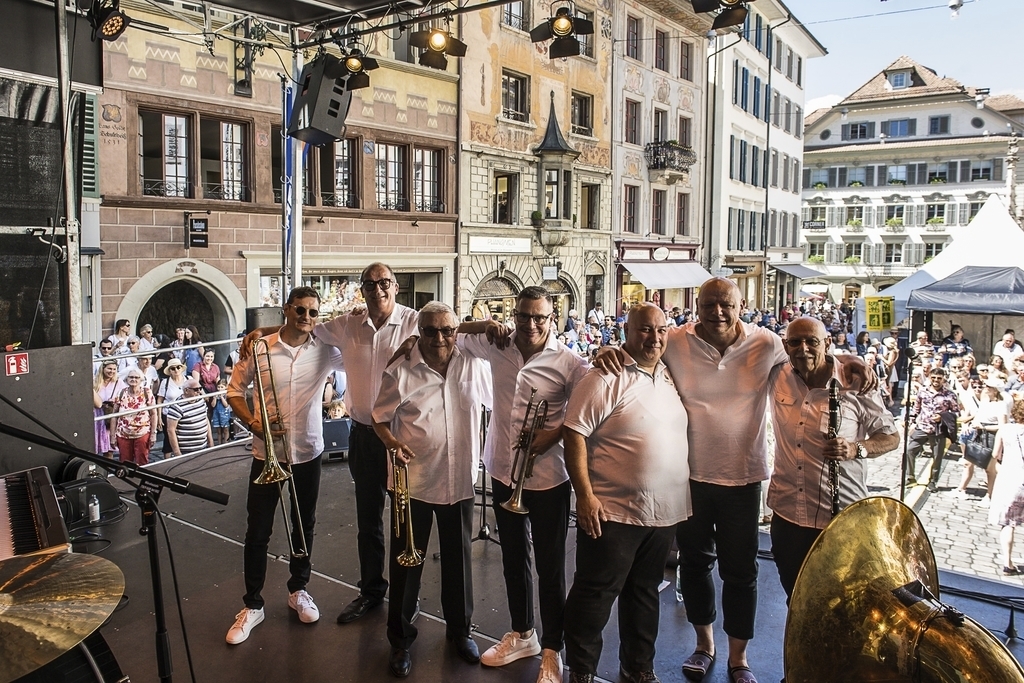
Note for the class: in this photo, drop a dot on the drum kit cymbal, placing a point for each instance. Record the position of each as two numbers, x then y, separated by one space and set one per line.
49 603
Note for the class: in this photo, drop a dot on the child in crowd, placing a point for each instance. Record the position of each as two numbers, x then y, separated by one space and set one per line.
220 419
337 410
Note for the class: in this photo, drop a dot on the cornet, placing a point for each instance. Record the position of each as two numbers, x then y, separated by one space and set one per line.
273 471
522 465
410 557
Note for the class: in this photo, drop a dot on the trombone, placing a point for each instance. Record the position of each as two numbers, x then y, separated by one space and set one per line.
410 557
274 472
522 465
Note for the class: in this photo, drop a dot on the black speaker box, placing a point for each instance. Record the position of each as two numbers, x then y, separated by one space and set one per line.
74 496
74 667
265 316
321 104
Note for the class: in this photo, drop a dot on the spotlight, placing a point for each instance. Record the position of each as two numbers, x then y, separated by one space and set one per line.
436 43
108 21
357 64
733 12
563 27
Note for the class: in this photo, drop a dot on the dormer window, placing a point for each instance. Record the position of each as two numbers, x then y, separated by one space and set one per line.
899 79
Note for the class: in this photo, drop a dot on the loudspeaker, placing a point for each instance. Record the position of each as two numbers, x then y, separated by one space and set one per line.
336 433
321 103
265 316
74 496
74 666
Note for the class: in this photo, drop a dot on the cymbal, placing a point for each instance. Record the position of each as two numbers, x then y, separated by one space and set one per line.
49 603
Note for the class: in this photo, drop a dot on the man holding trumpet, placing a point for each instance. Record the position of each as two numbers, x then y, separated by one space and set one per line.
296 365
427 415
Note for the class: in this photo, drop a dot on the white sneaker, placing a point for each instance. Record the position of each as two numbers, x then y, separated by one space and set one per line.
245 621
550 667
304 605
511 647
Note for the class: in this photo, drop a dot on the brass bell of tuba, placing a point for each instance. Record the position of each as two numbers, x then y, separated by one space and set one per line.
866 607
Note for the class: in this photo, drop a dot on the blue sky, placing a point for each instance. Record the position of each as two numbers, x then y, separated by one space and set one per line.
978 48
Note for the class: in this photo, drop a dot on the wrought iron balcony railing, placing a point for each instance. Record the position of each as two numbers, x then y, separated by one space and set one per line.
668 155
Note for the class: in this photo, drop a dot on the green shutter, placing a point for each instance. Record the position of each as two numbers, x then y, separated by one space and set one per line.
90 150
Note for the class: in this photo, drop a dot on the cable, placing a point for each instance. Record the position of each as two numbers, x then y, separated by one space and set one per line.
177 592
879 14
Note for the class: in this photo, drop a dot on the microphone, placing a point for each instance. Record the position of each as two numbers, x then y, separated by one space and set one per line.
910 352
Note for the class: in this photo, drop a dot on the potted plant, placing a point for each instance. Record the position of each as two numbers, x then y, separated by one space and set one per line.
816 259
820 185
852 260
537 219
855 222
937 181
936 220
897 181
894 223
856 183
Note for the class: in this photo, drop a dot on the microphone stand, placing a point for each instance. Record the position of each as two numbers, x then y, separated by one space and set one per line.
147 492
910 354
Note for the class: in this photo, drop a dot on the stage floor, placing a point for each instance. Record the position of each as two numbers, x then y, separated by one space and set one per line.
206 544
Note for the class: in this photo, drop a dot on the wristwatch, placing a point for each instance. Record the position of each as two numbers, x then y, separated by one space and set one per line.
862 451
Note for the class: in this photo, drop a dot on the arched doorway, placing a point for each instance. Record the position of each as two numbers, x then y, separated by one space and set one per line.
563 300
176 305
495 298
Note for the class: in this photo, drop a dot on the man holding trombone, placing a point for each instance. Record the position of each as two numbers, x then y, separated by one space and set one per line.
427 415
289 367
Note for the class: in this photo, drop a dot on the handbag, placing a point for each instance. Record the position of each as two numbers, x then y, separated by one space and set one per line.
978 451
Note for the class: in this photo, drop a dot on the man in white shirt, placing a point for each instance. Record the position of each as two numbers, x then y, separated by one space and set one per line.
300 364
428 414
799 490
533 359
1009 349
595 315
631 480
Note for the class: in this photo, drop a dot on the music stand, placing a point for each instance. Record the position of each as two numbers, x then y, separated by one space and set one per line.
484 533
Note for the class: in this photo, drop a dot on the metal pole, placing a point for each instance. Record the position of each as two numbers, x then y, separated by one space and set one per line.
68 176
286 179
298 189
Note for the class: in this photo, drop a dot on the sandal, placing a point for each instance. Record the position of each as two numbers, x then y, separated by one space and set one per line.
1011 571
696 665
741 674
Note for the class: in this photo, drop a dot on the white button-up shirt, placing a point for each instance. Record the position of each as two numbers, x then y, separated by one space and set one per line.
635 458
725 398
439 419
554 371
366 351
299 376
799 488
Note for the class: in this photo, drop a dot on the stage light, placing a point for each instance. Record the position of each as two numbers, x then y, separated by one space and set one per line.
108 21
357 64
563 27
436 43
733 12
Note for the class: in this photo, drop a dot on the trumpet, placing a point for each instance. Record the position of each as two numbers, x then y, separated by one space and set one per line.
274 472
410 557
522 465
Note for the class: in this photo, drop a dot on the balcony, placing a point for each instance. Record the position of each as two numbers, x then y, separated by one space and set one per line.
341 200
668 161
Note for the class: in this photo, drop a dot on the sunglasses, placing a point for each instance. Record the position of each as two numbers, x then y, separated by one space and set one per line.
431 332
524 318
371 285
812 342
106 348
302 310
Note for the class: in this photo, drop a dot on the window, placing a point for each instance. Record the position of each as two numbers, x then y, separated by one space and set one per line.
390 177
426 180
899 79
856 174
779 53
859 131
800 71
163 155
775 168
632 132
661 50
938 125
221 160
757 98
938 172
816 249
581 115
785 171
743 162
590 205
790 63
894 252
932 249
755 165
901 128
685 63
973 211
787 124
514 14
853 250
629 208
796 176
684 131
551 193
514 97
658 212
775 109
338 175
506 193
660 125
898 174
754 236
894 211
798 123
632 37
758 32
683 214
817 213
936 212
586 40
981 170
745 89
855 213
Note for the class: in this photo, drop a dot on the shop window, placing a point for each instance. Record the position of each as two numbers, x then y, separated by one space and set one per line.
338 175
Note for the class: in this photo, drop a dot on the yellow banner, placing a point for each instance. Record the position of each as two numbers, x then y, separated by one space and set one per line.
879 311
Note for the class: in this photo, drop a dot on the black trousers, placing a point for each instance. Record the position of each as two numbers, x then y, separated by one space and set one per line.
261 505
918 440
790 545
454 534
368 464
723 528
626 562
547 524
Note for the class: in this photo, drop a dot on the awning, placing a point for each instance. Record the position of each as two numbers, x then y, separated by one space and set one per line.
796 270
815 289
668 275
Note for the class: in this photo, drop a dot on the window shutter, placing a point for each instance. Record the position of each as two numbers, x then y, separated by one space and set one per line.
881 217
911 126
997 169
951 213
965 209
830 252
871 129
830 217
90 149
805 213
833 177
807 178
732 157
869 176
911 174
922 174
918 254
869 217
867 253
922 215
951 169
842 176
965 171
880 253
885 127
881 178
846 131
796 176
735 81
794 232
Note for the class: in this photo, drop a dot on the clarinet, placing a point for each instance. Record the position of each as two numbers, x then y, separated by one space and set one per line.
833 432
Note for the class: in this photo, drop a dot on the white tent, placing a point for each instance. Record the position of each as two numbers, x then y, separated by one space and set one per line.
991 239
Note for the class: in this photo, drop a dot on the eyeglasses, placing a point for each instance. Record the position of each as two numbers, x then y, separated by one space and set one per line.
384 284
131 378
431 332
302 310
134 342
176 367
106 348
524 318
795 343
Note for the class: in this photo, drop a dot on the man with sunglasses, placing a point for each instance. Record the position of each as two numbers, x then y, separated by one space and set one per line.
798 493
532 359
301 364
934 411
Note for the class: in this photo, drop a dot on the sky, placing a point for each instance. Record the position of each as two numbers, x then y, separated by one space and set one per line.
977 48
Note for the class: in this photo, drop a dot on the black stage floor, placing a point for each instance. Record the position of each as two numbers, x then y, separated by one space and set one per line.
206 542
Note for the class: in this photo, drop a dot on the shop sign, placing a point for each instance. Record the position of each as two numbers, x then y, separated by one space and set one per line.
660 254
549 272
480 244
636 254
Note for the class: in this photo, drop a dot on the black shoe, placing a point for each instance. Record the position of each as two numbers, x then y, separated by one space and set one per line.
357 608
466 648
638 677
575 677
400 662
933 487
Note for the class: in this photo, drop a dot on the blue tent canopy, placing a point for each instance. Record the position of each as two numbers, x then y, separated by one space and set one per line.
974 289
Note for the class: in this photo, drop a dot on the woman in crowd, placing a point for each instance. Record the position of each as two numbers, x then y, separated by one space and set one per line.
171 389
955 345
971 365
1008 497
208 373
179 340
983 410
890 354
136 433
105 387
122 330
998 364
863 343
193 357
